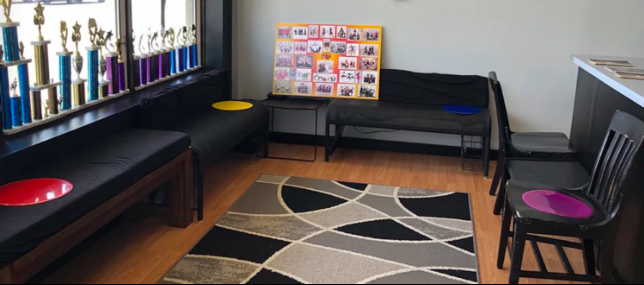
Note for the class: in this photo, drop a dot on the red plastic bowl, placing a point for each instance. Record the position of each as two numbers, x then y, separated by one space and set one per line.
33 192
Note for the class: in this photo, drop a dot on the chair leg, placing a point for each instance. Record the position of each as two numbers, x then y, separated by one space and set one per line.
589 257
518 248
500 198
327 148
606 260
498 174
505 235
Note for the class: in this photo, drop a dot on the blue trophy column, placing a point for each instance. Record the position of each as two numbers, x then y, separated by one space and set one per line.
5 99
173 62
93 74
64 65
195 56
23 75
10 43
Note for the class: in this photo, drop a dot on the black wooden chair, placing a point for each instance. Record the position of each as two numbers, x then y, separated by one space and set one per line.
592 215
534 146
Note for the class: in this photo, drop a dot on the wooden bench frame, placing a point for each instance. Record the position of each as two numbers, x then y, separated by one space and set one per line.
179 172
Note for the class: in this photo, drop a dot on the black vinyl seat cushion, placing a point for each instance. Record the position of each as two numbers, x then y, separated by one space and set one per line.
542 143
98 172
406 116
560 174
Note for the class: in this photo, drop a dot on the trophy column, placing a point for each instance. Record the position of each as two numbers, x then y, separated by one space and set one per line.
143 69
10 41
112 73
136 70
173 62
16 106
5 99
41 60
65 71
92 63
23 77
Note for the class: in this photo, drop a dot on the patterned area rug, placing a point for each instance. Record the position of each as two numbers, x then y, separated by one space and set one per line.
290 230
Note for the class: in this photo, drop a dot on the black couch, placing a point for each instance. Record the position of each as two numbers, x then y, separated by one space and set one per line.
413 102
213 132
101 171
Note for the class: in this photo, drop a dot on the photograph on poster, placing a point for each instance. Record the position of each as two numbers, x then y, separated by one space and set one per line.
355 34
348 63
325 66
282 73
319 77
367 91
301 47
303 75
347 76
300 33
327 60
346 90
324 89
327 32
284 60
338 47
368 63
313 32
285 47
284 32
369 77
304 61
353 49
342 32
283 87
369 50
303 88
315 46
372 35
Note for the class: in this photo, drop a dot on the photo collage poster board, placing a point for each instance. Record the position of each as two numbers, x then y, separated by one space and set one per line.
328 61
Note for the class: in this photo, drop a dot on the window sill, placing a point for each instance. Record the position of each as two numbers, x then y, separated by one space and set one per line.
167 78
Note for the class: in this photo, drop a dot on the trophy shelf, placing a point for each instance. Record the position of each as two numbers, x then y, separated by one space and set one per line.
167 78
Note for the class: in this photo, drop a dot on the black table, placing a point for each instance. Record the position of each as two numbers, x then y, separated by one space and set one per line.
293 104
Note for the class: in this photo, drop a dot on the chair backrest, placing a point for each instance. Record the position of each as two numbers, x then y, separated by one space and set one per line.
618 161
501 111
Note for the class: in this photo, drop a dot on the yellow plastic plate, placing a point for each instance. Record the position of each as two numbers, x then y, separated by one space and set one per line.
232 106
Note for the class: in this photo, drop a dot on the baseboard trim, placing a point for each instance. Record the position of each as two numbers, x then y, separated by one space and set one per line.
371 144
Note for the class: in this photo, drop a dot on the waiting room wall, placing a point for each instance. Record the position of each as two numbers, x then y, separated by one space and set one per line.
529 44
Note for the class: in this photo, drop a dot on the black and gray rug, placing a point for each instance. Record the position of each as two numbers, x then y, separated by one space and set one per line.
290 230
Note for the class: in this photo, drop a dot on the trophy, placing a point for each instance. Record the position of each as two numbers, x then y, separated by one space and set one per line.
23 83
103 85
112 64
93 61
16 107
143 63
136 65
173 52
183 50
121 65
194 49
10 34
78 85
65 66
43 82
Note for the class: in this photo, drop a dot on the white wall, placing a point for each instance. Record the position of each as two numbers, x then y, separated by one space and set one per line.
528 43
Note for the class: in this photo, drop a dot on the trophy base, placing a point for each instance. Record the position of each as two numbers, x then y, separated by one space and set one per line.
15 62
78 93
104 89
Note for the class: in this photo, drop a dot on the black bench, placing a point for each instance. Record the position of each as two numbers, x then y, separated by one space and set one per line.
413 102
213 132
109 176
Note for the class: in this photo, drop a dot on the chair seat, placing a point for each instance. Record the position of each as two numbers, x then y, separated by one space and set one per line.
561 174
575 201
554 143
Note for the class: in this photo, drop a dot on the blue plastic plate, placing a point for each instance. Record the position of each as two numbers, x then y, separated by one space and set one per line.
462 110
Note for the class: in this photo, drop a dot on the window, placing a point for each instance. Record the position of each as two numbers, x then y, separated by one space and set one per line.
165 39
48 93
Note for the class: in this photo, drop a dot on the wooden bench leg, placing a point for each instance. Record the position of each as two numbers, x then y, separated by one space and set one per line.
181 194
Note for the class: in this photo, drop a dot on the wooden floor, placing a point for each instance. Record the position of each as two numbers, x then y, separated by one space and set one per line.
144 248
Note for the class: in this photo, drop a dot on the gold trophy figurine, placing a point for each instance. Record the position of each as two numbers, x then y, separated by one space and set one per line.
119 49
183 37
93 32
102 64
164 39
39 20
6 4
155 42
142 47
64 34
170 38
109 45
21 49
78 58
194 34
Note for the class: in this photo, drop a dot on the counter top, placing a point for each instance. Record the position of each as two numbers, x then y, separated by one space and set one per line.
631 88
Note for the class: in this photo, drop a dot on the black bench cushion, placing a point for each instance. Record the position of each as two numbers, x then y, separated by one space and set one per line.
215 132
99 172
406 116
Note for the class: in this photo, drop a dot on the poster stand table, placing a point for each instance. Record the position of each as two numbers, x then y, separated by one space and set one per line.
293 104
